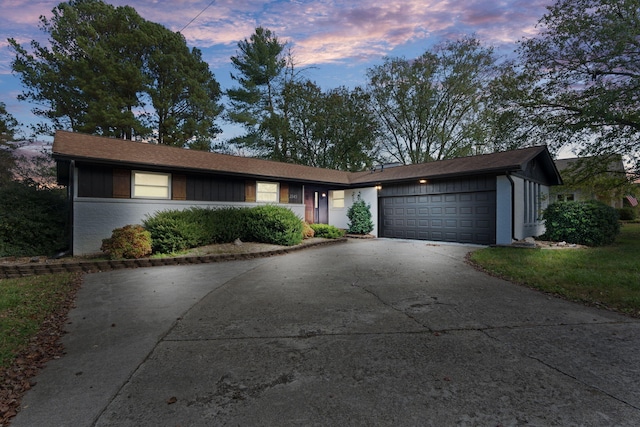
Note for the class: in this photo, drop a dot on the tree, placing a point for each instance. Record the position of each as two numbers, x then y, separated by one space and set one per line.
333 129
103 67
183 92
261 63
581 75
429 107
8 129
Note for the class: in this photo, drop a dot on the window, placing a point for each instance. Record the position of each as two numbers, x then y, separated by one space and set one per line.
566 197
151 185
337 199
267 192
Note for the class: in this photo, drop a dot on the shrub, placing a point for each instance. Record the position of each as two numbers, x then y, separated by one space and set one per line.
229 224
327 231
359 215
173 231
627 214
273 224
589 223
308 231
33 221
130 241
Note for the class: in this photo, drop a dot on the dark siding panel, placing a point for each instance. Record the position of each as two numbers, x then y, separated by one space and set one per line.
214 189
95 181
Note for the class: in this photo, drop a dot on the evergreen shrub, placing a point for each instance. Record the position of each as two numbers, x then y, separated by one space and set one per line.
174 231
359 215
590 223
274 224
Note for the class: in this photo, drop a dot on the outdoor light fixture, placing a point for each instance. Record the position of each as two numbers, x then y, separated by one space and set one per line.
423 181
378 187
324 194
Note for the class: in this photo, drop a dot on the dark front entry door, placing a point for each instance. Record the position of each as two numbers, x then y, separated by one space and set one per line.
316 205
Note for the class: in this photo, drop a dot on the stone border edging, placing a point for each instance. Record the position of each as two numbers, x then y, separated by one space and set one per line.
88 266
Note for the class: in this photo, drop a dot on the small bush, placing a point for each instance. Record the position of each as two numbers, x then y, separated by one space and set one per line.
308 231
130 241
627 214
590 223
359 215
274 224
327 231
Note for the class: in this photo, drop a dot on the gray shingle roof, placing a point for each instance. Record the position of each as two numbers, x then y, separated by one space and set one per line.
77 146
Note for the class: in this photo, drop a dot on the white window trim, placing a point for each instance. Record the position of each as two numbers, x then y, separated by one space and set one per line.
134 194
267 200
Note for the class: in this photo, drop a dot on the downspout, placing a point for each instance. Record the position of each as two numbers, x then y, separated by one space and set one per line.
71 190
513 206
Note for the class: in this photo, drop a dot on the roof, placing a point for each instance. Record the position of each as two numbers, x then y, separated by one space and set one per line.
495 163
78 146
82 147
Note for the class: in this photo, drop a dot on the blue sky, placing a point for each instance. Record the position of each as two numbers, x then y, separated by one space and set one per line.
334 40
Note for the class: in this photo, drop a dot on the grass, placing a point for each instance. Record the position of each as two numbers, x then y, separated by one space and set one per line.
25 305
604 276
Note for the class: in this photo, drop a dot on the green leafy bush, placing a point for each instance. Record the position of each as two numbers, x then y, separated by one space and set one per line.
274 224
627 214
589 223
229 224
130 241
33 221
359 215
175 231
327 231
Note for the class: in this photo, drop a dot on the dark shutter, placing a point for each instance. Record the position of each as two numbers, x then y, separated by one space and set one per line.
179 187
121 183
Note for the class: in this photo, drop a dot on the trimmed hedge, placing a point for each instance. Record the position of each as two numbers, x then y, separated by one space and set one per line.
590 223
175 231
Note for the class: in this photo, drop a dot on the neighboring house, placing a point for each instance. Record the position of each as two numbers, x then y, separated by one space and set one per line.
488 199
587 178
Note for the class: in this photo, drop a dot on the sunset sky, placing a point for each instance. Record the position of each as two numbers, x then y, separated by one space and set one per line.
335 41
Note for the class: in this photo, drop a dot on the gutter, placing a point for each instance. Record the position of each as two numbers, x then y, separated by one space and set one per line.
513 206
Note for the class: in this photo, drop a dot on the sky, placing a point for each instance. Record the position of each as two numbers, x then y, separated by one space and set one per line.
334 41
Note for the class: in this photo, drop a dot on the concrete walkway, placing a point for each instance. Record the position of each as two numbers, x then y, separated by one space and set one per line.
377 332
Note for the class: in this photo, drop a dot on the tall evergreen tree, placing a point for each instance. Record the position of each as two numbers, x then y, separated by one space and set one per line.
102 69
261 63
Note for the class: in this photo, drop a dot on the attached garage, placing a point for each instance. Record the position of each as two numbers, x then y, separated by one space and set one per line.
462 210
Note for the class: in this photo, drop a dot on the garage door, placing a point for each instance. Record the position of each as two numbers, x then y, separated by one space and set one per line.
455 217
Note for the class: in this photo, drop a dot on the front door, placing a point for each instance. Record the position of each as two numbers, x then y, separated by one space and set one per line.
316 205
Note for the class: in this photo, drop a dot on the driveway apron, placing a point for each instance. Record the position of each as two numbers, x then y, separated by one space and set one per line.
376 332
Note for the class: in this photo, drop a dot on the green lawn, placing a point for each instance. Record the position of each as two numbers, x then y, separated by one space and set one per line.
29 303
606 276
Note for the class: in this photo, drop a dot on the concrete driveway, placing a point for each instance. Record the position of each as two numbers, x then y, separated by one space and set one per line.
376 332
